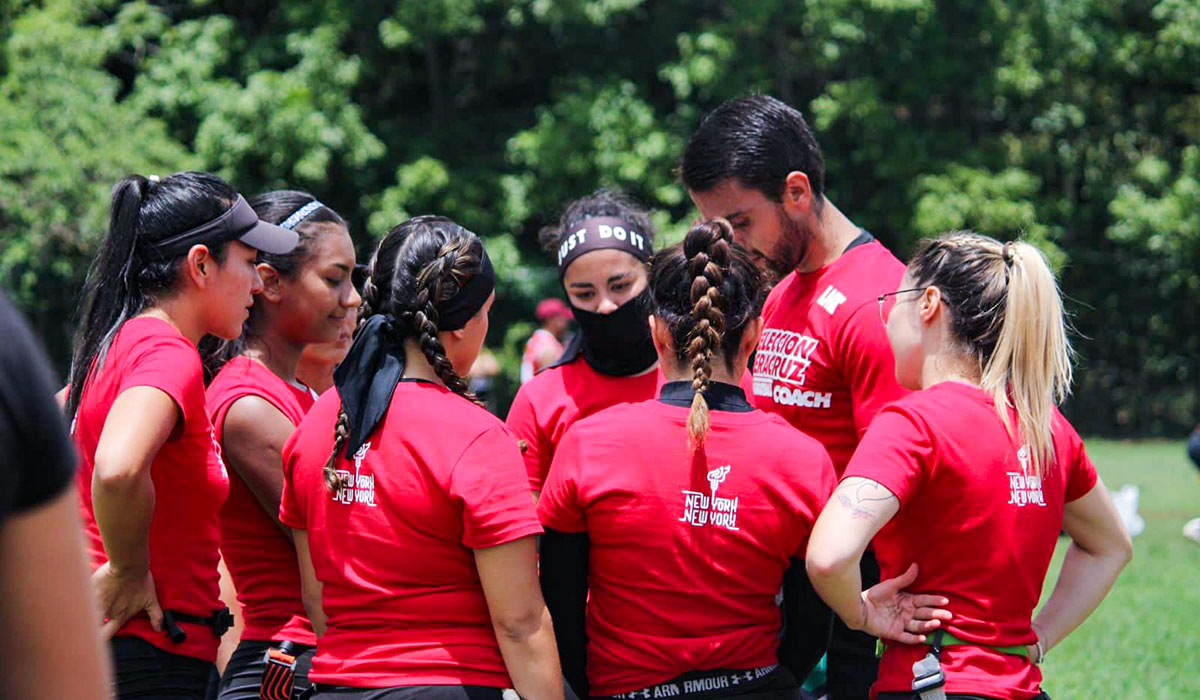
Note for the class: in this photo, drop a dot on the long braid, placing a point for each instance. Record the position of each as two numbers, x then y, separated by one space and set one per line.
341 433
440 280
707 251
418 265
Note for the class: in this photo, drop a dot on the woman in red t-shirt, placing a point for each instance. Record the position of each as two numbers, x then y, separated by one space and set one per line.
678 519
601 245
255 402
414 527
965 484
177 264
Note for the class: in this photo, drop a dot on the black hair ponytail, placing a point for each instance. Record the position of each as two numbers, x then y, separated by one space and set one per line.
127 275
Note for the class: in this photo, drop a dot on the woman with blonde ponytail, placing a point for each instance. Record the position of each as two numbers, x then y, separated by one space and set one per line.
412 519
677 520
965 484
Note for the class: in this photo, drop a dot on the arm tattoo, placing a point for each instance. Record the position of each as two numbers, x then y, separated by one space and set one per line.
861 498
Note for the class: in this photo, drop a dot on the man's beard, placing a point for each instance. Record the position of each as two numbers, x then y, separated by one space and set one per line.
789 251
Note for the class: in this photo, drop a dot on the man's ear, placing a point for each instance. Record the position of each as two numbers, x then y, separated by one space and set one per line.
199 266
272 283
798 197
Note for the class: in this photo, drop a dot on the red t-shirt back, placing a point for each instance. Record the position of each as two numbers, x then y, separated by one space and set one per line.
438 478
260 558
980 524
552 401
823 361
190 483
688 551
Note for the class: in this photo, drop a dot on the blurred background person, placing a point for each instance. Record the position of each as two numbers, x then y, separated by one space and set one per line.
546 344
47 611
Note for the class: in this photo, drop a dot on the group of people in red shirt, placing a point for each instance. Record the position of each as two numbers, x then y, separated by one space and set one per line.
768 443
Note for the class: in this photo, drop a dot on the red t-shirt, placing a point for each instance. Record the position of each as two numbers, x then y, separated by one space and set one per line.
541 344
823 361
552 401
190 483
260 558
438 478
980 525
687 554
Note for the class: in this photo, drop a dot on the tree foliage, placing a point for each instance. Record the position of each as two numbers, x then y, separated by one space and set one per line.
1072 122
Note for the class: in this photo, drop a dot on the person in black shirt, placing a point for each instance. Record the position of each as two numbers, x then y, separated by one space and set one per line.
50 646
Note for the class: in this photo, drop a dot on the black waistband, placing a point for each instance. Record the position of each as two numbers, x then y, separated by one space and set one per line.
720 396
219 622
764 683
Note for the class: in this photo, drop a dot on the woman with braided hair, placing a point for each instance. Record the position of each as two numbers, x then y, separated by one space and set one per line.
685 512
964 485
412 519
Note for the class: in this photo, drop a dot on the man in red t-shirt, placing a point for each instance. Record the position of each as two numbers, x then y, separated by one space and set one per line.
546 344
823 360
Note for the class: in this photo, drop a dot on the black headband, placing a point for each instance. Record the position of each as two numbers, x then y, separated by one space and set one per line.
367 377
598 233
238 221
454 312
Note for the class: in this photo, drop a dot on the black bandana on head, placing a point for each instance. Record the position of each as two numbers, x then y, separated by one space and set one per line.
617 344
366 379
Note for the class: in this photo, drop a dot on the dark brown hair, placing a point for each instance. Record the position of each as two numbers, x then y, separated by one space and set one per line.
418 264
707 290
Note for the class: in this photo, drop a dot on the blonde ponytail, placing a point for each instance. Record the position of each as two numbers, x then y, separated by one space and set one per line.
1030 367
1007 314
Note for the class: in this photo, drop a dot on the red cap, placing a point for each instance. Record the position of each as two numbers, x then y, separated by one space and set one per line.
551 308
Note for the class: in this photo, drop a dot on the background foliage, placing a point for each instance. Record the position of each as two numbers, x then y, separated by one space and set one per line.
1074 122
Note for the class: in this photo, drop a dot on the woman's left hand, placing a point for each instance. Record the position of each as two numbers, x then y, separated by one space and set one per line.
891 613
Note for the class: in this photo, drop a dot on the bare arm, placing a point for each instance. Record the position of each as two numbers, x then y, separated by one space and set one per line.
310 586
47 611
524 631
858 509
138 424
1100 548
252 440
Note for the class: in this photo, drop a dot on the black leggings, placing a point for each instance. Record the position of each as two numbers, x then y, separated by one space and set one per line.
411 692
851 665
145 671
243 673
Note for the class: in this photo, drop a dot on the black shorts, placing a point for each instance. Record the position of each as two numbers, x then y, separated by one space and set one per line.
413 692
145 671
243 673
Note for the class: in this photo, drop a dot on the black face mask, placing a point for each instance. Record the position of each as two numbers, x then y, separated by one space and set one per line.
617 344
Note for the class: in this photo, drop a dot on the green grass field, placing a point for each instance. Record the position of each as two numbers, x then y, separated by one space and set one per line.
1144 640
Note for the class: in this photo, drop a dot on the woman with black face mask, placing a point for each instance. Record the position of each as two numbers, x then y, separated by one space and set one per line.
602 246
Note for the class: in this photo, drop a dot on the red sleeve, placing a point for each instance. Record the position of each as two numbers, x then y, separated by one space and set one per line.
488 482
172 365
896 452
867 365
813 502
291 510
522 420
559 507
1081 474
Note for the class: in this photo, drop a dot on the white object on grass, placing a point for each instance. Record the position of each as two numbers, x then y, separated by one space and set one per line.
1126 501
